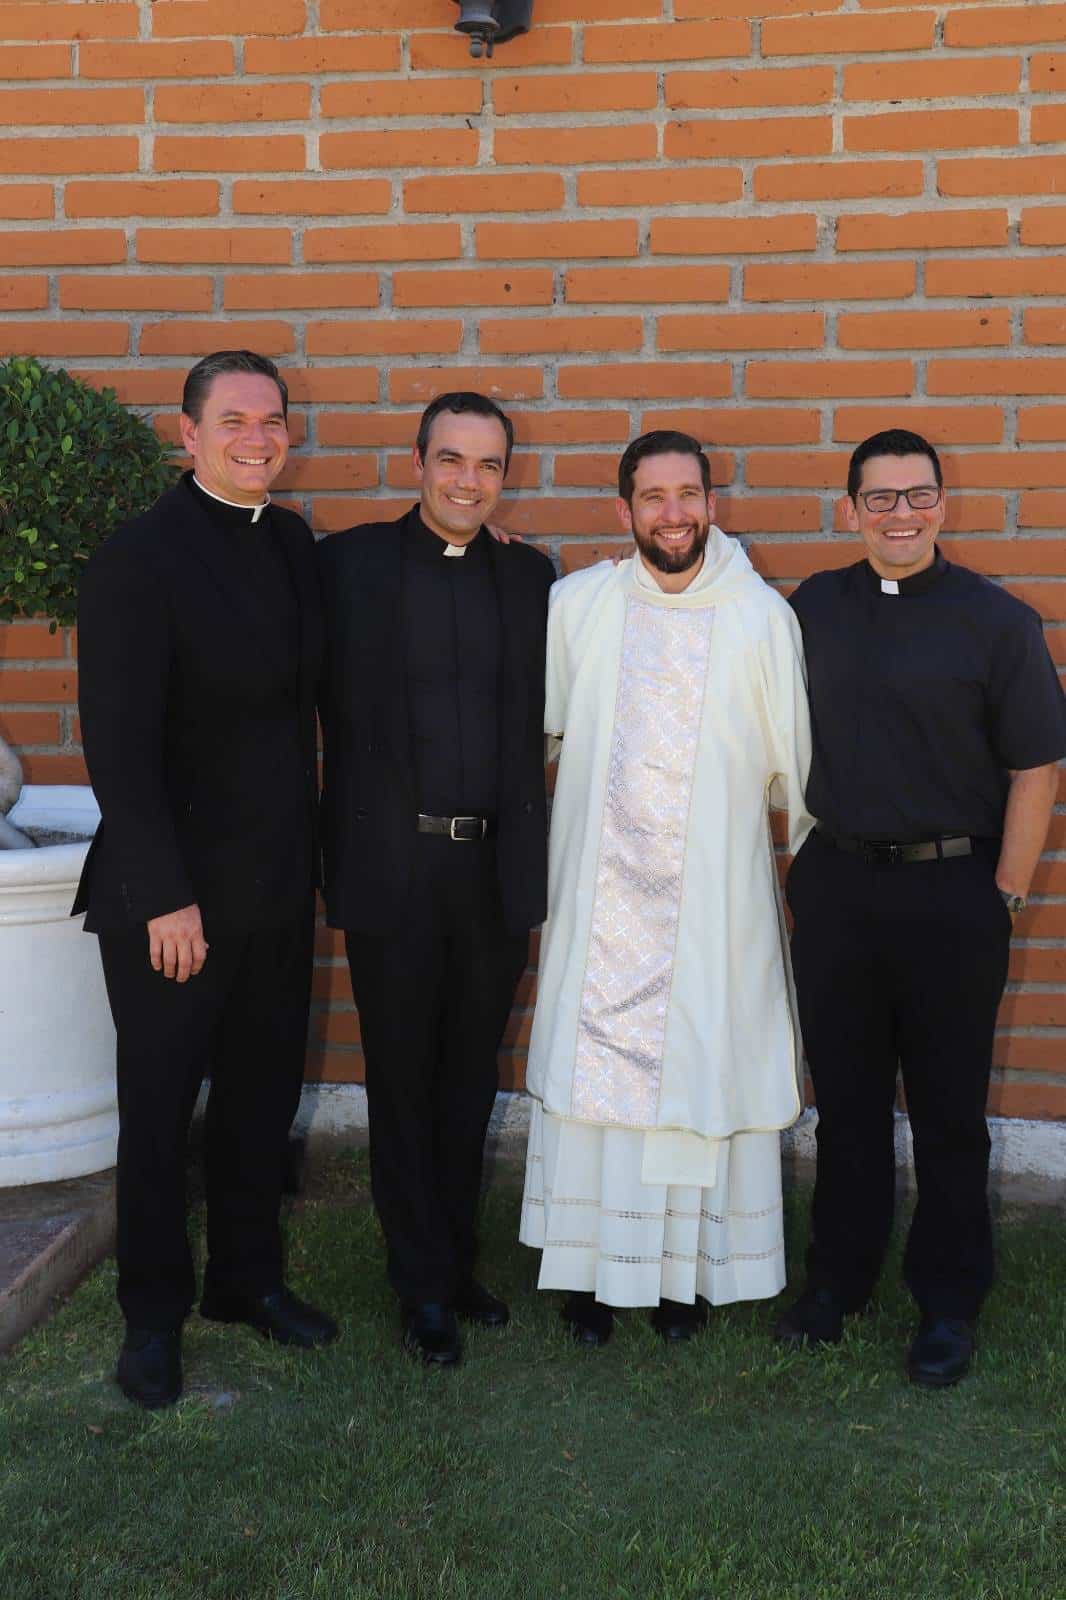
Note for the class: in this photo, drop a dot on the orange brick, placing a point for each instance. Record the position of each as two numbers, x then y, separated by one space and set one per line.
37 108
192 19
774 561
175 337
542 47
25 728
1042 24
936 79
600 470
848 35
39 768
1029 963
423 384
1041 424
1044 225
206 102
406 98
571 427
932 130
555 241
1016 469
399 147
755 87
498 191
571 147
552 515
1045 325
348 385
1032 375
1010 557
1047 73
728 236
330 513
597 10
652 380
39 157
281 152
939 424
740 426
46 20
136 387
574 335
368 429
46 685
577 92
63 247
1040 175
977 277
1027 1052
663 186
840 180
829 280
218 246
142 197
800 330
767 380
273 291
646 285
22 63
669 41
419 241
135 292
31 641
716 137
363 338
786 513
385 15
936 230
27 202
313 197
750 8
202 59
525 287
1047 124
1008 1098
23 294
329 472
918 330
284 57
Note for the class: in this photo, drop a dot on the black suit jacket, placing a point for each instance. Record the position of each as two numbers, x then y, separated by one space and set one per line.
199 735
369 806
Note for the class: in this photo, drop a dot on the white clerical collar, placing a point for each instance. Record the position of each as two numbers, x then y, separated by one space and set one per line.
257 511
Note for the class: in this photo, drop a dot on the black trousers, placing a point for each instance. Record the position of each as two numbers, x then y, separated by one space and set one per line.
433 1001
900 968
244 1021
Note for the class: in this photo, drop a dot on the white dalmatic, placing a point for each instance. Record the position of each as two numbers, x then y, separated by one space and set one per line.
664 1057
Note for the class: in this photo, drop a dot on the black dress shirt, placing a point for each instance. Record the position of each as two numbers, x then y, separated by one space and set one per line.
452 653
924 695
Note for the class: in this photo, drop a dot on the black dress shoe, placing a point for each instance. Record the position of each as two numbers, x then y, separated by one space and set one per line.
941 1353
149 1367
474 1303
675 1321
591 1323
817 1317
280 1316
431 1332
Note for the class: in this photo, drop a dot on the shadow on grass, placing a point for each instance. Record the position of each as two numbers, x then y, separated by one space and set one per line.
723 1468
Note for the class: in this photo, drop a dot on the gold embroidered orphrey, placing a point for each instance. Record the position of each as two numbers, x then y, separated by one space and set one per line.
625 995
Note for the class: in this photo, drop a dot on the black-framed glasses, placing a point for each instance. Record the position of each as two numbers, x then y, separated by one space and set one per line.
921 498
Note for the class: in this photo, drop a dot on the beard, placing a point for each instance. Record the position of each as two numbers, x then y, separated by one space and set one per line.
670 561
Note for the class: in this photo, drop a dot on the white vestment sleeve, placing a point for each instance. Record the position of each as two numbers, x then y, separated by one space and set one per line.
784 683
557 674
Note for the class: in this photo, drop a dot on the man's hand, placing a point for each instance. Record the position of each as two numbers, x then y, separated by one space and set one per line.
176 945
503 535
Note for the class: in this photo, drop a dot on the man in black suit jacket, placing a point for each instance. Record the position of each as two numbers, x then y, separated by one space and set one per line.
434 836
200 641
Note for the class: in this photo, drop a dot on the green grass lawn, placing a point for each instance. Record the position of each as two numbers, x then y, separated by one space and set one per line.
721 1469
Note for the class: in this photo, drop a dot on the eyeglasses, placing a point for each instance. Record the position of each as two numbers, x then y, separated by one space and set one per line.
922 498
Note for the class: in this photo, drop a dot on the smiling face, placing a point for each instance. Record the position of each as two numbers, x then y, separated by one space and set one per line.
669 516
898 543
462 474
240 442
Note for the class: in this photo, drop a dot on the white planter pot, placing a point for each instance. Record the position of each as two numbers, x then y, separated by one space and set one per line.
58 1115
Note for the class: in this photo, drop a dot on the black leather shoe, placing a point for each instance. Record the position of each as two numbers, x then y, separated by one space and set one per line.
474 1303
149 1367
431 1332
590 1322
817 1317
941 1353
280 1316
675 1321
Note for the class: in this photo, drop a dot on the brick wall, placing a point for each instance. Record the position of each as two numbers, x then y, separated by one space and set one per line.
778 223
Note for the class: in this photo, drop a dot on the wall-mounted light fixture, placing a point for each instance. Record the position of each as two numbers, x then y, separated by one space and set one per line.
490 22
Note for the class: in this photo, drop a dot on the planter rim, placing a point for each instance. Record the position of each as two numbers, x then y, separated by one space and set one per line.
65 807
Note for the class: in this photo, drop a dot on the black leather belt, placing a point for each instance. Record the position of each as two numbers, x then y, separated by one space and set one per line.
462 829
883 852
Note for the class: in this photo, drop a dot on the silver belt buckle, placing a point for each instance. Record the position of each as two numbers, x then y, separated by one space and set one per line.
458 838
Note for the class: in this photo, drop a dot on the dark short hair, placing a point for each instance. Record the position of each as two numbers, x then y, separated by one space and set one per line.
660 442
892 442
458 402
203 375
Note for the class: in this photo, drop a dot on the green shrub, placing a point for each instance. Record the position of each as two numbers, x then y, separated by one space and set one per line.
74 463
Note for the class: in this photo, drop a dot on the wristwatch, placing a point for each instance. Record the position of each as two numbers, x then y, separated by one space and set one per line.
1014 902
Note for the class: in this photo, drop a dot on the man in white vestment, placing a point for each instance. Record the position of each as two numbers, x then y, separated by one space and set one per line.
664 1055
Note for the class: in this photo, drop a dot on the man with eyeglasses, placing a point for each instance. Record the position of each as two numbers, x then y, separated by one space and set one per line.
937 721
